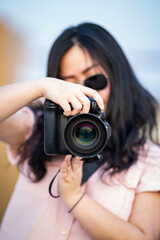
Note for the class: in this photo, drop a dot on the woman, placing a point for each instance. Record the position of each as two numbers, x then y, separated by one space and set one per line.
121 199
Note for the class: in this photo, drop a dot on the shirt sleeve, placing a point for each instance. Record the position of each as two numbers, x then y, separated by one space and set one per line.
150 178
12 154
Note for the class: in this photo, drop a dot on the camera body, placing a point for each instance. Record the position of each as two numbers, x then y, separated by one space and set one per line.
83 135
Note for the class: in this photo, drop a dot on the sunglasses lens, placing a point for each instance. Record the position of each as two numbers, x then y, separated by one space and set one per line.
97 82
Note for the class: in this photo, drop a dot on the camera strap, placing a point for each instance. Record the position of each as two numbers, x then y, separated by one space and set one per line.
88 170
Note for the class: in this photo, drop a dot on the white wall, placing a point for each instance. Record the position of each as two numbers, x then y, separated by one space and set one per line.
135 24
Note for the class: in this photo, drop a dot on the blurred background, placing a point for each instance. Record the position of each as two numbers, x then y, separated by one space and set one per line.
28 29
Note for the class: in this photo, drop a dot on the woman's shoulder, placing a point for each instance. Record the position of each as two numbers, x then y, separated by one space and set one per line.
144 175
12 154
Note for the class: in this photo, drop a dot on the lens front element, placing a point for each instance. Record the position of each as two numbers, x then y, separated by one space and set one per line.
85 134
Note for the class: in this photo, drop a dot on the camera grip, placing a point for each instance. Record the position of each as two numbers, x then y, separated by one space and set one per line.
50 146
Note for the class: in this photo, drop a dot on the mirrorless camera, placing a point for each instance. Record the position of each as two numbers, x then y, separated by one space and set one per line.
84 135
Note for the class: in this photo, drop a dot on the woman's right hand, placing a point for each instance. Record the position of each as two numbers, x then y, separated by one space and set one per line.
17 95
66 93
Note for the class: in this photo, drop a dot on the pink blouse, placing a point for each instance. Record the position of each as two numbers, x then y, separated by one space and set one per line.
32 214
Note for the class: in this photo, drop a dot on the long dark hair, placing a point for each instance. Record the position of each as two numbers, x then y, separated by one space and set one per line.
131 110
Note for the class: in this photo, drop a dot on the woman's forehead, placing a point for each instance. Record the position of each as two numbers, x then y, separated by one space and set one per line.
76 58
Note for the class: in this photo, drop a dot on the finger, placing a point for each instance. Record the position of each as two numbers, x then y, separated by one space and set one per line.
76 164
63 171
85 102
94 94
67 160
65 106
77 106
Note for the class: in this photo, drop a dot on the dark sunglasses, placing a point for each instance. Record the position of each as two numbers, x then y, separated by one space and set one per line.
97 82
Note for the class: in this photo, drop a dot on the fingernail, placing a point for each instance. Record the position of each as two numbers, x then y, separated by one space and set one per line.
78 158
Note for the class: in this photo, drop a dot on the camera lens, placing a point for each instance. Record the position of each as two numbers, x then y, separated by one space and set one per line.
85 134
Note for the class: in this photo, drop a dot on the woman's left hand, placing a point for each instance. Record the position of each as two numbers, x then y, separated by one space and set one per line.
69 182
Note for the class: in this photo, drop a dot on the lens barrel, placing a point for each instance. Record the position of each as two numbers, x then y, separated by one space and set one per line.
86 135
